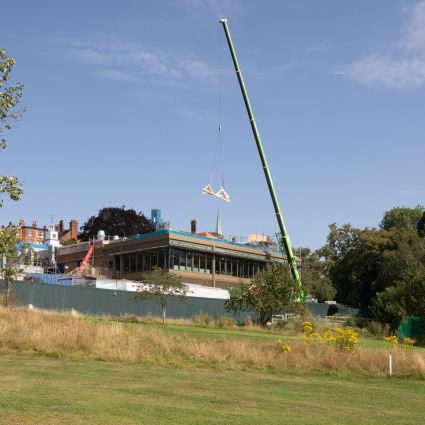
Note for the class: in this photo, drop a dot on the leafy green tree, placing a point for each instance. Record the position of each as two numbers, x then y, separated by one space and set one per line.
161 286
313 276
353 259
9 99
402 218
116 221
269 293
401 284
401 264
398 302
385 310
11 260
420 226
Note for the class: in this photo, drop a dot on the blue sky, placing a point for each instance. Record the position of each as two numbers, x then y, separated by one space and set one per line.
122 109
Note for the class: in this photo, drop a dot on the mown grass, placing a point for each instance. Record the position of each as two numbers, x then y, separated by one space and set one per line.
53 391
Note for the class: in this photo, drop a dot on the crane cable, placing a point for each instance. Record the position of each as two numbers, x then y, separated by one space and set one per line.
218 154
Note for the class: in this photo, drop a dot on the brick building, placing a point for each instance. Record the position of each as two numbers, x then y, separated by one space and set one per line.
31 234
37 235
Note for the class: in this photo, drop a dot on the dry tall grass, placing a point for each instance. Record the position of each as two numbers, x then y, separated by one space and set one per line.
68 335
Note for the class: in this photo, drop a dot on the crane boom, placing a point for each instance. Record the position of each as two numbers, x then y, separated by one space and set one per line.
284 241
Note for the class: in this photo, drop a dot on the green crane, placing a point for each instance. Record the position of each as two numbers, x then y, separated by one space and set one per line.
283 237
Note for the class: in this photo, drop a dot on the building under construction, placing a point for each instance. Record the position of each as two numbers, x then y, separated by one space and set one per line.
197 259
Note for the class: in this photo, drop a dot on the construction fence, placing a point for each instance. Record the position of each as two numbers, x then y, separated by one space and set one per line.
96 301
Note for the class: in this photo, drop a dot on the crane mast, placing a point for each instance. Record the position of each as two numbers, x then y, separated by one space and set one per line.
284 241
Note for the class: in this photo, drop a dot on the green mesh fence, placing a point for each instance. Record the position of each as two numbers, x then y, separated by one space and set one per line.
412 327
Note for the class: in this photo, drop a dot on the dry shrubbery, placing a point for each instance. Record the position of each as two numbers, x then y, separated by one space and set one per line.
69 335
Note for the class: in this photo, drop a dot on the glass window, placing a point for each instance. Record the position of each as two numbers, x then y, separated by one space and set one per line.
176 258
147 261
154 258
133 260
234 266
203 263
227 266
209 260
220 265
126 264
161 259
189 260
139 262
196 257
117 263
182 260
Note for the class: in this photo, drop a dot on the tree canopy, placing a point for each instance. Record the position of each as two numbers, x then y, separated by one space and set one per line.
116 221
269 293
402 218
9 98
11 260
161 286
380 268
313 277
420 226
401 284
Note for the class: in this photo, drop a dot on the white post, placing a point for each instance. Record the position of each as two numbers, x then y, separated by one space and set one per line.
390 364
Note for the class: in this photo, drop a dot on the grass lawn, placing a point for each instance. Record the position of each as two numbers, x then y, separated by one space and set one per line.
260 334
45 390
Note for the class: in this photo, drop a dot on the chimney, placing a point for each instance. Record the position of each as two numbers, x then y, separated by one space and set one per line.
34 224
21 222
60 227
193 227
73 227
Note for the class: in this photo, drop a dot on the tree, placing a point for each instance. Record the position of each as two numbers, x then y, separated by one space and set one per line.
353 259
313 276
11 258
9 99
420 226
161 286
402 218
116 221
401 285
269 293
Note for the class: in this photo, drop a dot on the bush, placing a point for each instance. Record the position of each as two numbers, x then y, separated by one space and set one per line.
376 328
226 322
203 319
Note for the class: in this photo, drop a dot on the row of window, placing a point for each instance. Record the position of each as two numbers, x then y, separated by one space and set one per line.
40 233
181 259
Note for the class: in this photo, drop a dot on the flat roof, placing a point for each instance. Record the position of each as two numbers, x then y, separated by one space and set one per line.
214 240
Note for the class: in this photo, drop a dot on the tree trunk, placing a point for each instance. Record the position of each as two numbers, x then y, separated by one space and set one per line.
164 312
6 294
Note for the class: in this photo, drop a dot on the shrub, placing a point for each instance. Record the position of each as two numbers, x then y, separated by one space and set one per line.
376 328
392 339
408 342
226 322
283 347
203 319
346 339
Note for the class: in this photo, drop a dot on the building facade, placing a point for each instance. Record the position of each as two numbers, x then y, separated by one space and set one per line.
197 259
31 234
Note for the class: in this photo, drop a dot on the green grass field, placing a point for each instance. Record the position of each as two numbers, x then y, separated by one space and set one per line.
43 390
69 369
260 334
